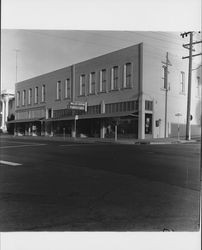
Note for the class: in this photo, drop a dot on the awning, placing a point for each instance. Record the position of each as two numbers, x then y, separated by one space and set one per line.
81 117
95 116
26 120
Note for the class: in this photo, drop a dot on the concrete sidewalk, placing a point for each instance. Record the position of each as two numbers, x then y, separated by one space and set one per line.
106 140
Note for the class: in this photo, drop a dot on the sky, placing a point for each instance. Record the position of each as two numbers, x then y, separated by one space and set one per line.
43 51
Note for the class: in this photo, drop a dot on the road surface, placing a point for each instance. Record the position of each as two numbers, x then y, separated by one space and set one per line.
67 186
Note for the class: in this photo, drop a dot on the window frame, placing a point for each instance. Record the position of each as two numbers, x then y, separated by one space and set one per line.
103 80
182 82
82 86
92 83
67 88
36 95
198 92
18 99
23 97
114 77
58 90
43 93
29 96
127 75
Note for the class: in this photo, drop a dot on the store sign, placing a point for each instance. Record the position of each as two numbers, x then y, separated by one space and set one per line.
77 106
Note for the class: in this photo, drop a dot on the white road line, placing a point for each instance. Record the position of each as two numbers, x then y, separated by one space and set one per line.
10 163
74 145
25 145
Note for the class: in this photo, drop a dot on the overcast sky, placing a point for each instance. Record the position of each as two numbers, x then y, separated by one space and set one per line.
42 51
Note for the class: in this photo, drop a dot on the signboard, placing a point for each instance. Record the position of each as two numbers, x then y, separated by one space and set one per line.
77 106
178 114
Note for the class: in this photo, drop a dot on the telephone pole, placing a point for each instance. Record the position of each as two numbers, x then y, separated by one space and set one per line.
166 88
189 46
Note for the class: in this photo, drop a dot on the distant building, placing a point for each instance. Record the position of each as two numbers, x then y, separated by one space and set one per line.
7 107
123 91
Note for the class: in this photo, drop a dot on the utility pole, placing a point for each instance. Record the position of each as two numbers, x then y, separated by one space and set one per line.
189 46
166 88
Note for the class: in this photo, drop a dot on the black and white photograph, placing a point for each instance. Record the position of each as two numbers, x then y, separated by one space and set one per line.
100 131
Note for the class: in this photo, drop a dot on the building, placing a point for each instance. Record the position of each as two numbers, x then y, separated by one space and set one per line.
124 92
7 107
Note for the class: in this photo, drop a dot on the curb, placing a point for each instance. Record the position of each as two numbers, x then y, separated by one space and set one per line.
101 141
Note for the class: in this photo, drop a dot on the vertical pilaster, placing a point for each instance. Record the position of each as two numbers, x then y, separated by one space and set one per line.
3 114
141 109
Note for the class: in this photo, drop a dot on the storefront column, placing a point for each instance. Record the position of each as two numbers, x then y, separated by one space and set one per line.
141 119
102 131
3 115
51 133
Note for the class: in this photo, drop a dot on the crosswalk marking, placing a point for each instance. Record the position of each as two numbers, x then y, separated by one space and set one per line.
10 163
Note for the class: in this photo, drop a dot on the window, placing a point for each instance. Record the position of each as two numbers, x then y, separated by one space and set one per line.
82 85
58 90
18 99
127 75
198 87
103 80
43 93
67 88
23 97
49 113
114 78
96 109
121 106
149 105
182 82
92 83
29 96
36 95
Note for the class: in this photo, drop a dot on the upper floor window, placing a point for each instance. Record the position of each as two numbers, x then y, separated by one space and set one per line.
29 96
182 82
58 90
92 83
148 105
36 95
82 85
43 93
23 97
103 80
198 91
127 75
67 88
18 99
114 78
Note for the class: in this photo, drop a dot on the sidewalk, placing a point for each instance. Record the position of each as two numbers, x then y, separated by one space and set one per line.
106 140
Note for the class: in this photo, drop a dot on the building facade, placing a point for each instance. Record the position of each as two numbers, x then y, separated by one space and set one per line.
123 92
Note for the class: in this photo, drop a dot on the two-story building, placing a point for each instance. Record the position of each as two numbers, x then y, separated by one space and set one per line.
122 92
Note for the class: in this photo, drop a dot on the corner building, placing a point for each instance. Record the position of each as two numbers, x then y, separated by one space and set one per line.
123 91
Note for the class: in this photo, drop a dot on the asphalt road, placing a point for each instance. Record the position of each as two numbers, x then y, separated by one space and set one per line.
66 186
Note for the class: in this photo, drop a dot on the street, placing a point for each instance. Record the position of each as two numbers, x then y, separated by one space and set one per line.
65 186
